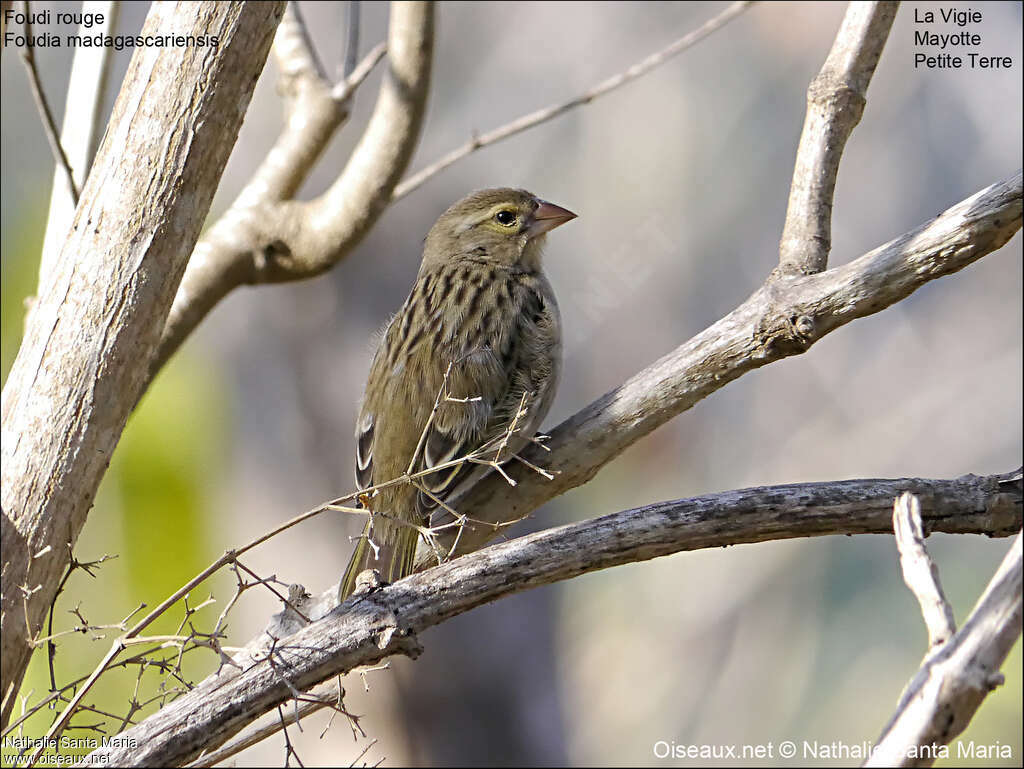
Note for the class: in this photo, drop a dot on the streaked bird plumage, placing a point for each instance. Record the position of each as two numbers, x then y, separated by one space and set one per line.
481 323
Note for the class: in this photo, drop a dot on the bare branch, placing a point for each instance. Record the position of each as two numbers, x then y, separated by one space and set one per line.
784 317
101 309
919 571
351 38
383 622
267 238
28 57
954 680
545 114
835 103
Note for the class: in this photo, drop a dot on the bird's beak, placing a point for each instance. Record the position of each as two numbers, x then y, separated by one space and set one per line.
547 217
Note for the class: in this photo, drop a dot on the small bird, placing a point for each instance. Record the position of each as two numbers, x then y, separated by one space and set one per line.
476 346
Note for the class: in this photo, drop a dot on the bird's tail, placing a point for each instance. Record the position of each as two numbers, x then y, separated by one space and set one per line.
393 560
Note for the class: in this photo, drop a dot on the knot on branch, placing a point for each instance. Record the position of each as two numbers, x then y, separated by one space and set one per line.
803 326
835 95
783 329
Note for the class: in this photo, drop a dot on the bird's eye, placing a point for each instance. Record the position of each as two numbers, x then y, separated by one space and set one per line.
505 217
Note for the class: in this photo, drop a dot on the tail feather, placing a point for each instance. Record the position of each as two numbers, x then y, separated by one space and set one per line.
394 560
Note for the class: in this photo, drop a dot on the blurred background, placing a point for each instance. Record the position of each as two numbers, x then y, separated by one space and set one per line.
680 181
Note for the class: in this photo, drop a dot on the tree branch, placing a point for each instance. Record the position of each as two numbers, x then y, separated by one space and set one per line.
267 238
920 572
102 306
348 64
28 57
941 699
784 317
835 103
372 626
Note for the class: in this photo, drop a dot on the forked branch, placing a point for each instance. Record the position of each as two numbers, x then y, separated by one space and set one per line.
959 669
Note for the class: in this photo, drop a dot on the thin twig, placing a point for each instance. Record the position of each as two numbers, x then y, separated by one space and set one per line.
45 114
271 588
355 78
351 38
363 752
289 749
547 113
51 648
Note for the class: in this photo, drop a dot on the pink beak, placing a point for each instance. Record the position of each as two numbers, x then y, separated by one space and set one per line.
548 216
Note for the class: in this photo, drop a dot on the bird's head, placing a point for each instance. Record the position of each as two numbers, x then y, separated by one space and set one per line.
506 226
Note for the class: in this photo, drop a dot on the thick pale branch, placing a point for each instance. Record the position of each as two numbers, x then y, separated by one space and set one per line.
835 103
223 258
102 305
920 572
265 237
782 318
955 678
370 627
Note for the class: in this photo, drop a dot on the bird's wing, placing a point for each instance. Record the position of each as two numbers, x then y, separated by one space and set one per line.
364 449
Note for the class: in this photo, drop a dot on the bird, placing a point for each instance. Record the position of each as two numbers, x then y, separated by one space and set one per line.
475 351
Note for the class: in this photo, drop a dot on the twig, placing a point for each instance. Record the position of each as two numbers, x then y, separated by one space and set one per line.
265 582
45 114
442 394
835 103
289 749
919 571
363 752
141 659
51 648
351 38
343 90
545 114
